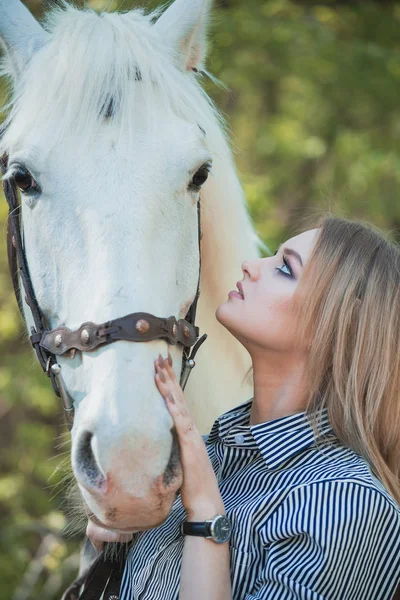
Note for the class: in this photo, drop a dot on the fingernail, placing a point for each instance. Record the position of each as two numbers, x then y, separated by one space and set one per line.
160 358
162 376
169 359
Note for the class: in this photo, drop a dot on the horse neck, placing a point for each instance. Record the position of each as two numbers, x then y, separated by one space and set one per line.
228 239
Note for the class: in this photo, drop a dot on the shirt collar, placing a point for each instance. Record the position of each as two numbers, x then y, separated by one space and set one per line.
238 416
277 440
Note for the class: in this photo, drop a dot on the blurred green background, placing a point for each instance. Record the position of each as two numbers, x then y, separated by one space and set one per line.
312 99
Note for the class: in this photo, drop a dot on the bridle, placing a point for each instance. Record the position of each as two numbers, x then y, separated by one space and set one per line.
135 327
105 575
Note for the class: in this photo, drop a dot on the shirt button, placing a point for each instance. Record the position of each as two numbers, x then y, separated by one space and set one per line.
239 438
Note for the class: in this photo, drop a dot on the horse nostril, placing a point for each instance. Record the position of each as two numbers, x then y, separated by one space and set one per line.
173 462
87 462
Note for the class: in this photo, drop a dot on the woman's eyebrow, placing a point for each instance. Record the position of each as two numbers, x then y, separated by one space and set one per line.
293 253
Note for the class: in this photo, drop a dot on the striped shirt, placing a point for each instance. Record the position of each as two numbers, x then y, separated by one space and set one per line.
309 518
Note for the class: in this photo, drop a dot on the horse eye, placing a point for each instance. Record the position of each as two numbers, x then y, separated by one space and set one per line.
200 177
24 180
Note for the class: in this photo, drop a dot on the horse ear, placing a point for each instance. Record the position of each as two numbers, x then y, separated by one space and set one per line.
184 26
20 35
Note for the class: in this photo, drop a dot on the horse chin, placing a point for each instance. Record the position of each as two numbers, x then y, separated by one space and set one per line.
125 530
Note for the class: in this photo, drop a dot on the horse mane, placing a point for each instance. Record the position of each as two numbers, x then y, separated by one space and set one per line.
114 70
97 68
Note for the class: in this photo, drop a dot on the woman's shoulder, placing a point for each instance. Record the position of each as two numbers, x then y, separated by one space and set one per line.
338 518
340 505
342 475
345 476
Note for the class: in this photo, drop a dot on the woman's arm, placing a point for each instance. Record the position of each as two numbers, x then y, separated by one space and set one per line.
205 571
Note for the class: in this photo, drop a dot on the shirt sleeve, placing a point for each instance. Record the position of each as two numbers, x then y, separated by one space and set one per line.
330 540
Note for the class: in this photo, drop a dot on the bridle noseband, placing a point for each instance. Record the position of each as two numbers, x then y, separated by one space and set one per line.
136 327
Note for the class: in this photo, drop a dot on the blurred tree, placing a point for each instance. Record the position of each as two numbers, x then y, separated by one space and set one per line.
312 100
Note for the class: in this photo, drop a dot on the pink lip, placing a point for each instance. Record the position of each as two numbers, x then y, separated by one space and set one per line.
234 294
240 287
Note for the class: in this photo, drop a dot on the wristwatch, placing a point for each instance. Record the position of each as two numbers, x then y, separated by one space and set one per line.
218 529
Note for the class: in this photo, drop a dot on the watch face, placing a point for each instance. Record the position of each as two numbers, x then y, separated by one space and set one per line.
221 529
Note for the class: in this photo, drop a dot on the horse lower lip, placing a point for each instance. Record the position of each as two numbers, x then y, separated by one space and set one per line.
97 522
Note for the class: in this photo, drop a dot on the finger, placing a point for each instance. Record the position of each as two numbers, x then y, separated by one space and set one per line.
161 362
172 382
181 416
158 361
167 383
167 364
161 376
165 386
162 386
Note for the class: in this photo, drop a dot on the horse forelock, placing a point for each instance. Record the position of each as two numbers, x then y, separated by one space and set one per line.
102 67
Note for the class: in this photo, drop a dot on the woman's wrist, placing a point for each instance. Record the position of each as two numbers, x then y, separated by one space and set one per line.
205 511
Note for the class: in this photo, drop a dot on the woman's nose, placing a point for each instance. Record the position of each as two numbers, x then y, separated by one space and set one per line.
251 269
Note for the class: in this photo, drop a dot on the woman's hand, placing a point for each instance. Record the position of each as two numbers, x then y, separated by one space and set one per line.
200 494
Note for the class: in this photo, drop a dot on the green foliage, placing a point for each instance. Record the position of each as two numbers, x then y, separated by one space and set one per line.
312 101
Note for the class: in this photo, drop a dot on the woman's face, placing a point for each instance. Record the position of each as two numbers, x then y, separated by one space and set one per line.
264 319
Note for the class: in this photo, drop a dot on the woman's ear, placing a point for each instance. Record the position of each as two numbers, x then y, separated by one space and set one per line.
20 36
183 26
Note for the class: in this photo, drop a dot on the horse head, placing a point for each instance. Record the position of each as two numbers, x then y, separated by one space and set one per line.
111 141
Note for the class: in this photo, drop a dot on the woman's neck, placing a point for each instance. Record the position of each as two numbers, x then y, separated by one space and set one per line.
279 387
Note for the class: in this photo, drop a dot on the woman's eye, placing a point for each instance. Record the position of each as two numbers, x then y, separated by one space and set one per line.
24 180
288 272
200 177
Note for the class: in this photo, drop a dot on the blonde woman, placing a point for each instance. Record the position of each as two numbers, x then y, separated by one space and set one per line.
307 472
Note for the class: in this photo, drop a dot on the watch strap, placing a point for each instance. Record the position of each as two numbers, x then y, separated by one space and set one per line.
201 529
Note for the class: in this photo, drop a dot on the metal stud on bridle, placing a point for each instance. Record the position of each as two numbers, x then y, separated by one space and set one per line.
85 336
135 327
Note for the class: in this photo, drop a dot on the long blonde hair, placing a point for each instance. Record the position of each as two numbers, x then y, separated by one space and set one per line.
348 303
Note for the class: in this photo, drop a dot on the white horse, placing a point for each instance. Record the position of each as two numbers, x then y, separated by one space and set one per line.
109 125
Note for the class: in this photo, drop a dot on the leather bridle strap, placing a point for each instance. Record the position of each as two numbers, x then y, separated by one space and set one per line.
18 267
135 327
105 575
101 580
